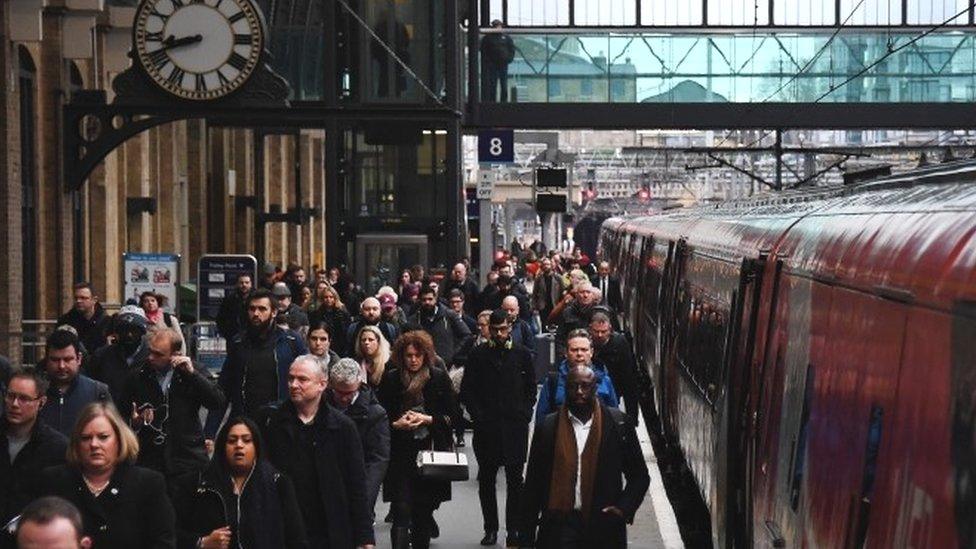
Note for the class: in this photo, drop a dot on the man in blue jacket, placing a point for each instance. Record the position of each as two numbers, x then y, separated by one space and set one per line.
256 370
69 391
579 352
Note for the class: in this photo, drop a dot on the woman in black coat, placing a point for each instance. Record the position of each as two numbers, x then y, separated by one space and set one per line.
334 314
420 403
121 505
241 500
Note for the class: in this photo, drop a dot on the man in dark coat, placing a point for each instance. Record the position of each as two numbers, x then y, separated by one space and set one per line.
113 363
614 351
319 448
360 404
289 313
27 445
370 314
69 391
444 326
163 398
255 372
499 392
87 317
232 317
547 290
576 497
609 287
497 51
459 281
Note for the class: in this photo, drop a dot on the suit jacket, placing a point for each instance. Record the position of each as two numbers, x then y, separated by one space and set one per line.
620 455
613 297
134 510
546 301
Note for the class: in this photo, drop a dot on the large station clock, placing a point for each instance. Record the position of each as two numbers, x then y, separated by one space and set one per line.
198 49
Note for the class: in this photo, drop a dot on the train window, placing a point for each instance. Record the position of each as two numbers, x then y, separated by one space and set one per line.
799 454
702 324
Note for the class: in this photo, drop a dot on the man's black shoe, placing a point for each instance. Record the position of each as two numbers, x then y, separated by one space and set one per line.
435 530
512 540
491 538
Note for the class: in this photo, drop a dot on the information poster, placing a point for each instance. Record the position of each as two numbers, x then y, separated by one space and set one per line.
158 273
217 277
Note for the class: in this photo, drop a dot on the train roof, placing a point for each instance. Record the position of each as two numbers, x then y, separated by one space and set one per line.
909 236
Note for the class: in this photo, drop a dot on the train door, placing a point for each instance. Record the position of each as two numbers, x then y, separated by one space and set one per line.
669 330
740 450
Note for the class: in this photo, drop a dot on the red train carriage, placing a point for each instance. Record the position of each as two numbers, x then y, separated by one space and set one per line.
814 355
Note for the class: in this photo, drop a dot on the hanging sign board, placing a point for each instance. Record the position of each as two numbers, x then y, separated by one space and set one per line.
158 273
217 277
496 146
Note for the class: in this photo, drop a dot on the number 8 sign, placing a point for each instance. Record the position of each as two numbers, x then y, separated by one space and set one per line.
496 146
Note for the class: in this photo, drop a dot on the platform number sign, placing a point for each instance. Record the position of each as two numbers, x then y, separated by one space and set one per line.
496 146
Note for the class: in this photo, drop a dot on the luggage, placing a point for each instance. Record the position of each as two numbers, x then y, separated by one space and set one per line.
545 354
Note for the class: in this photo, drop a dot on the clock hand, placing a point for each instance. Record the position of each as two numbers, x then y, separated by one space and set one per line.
172 42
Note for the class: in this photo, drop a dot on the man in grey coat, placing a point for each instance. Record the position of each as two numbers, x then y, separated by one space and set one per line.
350 397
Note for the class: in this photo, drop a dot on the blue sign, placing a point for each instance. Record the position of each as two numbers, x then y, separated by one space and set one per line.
217 278
496 146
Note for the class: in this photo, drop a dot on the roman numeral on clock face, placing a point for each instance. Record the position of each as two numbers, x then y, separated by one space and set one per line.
154 36
236 17
237 61
243 39
176 76
201 83
159 58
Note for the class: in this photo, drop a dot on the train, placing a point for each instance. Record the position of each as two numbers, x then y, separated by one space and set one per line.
813 355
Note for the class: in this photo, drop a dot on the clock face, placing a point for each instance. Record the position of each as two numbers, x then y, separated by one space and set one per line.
198 49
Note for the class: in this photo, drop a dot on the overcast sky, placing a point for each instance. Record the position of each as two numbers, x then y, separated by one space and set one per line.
727 12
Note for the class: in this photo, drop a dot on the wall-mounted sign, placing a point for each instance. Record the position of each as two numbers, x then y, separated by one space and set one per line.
158 273
496 146
216 277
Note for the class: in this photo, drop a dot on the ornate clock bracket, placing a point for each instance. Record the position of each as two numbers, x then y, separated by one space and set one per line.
93 128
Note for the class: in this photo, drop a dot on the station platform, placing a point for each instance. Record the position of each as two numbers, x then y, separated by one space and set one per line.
461 527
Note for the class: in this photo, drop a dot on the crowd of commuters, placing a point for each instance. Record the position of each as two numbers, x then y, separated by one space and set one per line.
323 403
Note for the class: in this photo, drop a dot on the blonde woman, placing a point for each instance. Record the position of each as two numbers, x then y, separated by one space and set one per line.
122 505
332 312
372 352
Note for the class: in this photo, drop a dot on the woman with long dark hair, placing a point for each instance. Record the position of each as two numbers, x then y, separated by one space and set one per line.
420 403
241 500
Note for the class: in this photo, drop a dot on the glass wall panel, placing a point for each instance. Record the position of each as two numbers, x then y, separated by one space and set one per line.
395 171
671 12
870 12
606 13
934 12
747 67
792 13
738 12
398 57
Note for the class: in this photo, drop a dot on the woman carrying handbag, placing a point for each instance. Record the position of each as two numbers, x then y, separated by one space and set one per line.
422 408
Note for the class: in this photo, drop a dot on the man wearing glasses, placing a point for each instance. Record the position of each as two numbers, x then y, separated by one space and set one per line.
27 446
163 398
498 391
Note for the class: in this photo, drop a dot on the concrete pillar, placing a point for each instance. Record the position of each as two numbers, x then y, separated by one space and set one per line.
167 191
273 195
317 224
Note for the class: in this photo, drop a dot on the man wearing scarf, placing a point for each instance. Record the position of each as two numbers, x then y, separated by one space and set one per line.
574 495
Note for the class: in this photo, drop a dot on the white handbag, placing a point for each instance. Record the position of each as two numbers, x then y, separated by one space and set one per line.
448 466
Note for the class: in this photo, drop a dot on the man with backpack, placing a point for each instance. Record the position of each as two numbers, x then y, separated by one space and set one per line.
443 325
579 352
